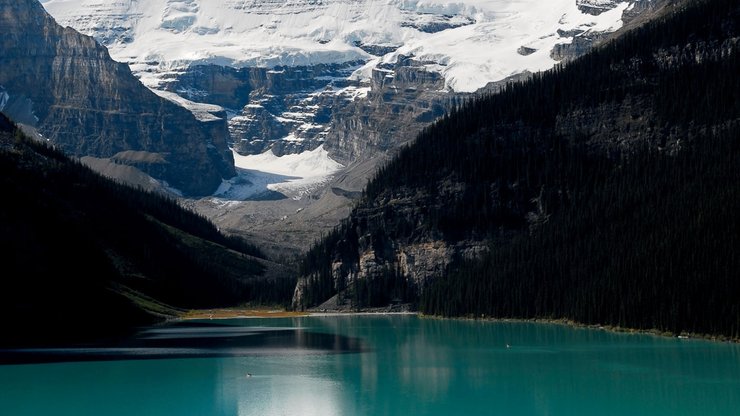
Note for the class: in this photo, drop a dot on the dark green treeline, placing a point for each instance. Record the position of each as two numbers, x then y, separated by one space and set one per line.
632 226
83 255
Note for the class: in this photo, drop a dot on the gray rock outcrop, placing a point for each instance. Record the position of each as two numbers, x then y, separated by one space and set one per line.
403 99
286 109
66 85
583 40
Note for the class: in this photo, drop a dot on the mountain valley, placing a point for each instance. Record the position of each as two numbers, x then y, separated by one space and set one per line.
573 159
355 78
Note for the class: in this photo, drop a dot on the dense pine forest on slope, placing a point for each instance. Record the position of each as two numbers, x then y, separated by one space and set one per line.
81 252
604 192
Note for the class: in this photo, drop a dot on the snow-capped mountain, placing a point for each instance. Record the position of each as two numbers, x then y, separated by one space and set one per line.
359 77
470 42
335 85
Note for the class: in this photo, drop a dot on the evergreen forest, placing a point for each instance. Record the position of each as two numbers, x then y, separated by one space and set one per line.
605 191
85 253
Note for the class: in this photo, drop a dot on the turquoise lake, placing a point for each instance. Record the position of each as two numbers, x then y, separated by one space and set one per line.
375 365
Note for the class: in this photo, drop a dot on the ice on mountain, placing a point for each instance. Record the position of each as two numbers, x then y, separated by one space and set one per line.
294 176
475 41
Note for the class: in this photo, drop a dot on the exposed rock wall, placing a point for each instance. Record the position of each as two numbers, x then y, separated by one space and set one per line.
294 109
286 109
403 99
369 252
89 105
584 40
596 7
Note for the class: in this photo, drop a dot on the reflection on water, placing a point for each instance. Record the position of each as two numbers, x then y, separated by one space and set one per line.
385 365
194 340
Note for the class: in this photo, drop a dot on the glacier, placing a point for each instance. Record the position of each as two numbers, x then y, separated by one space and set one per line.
471 43
295 175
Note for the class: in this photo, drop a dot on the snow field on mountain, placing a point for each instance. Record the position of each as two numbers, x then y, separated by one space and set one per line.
294 175
160 36
469 42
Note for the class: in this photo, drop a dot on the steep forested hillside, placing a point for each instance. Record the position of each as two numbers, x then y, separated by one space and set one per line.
603 192
82 253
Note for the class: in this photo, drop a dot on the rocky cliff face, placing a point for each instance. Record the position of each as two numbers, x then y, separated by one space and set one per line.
377 244
295 109
402 98
345 73
291 109
287 109
66 85
583 39
596 7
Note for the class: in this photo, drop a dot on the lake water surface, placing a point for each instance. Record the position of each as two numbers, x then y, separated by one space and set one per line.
375 365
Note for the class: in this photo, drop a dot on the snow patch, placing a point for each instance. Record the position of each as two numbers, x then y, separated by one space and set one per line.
352 93
201 111
294 175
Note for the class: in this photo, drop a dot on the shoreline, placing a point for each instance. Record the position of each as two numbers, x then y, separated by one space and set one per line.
257 313
236 313
249 313
609 328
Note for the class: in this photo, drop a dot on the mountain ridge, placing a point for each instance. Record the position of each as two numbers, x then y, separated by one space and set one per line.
335 31
303 54
65 85
393 77
480 215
